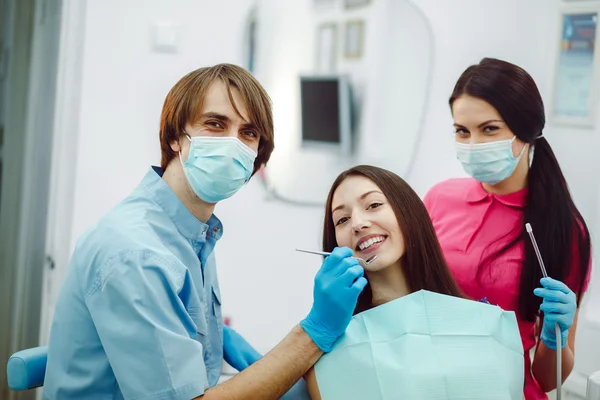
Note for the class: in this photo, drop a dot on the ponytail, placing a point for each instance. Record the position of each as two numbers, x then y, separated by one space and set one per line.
560 231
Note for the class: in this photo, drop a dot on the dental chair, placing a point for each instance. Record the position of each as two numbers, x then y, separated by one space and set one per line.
26 370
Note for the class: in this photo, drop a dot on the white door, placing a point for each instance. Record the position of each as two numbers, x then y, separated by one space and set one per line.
31 45
17 21
64 157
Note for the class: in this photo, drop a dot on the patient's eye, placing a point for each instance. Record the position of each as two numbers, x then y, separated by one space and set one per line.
341 221
374 205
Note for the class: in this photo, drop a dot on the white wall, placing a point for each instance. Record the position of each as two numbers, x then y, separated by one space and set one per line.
286 48
123 85
462 40
524 33
389 84
266 285
464 32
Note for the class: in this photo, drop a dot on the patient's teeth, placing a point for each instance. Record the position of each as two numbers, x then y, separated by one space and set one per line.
371 242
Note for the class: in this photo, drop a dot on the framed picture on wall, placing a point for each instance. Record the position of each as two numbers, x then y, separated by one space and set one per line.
349 4
354 39
250 36
324 4
575 81
327 47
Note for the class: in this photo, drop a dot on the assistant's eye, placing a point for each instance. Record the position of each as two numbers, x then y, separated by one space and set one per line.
490 129
462 132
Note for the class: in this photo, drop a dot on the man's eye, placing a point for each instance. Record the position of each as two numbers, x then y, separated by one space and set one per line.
214 124
251 134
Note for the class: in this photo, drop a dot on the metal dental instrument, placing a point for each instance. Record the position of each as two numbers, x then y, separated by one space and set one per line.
362 262
556 327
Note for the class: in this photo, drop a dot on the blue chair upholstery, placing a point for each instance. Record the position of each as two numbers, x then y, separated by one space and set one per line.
26 368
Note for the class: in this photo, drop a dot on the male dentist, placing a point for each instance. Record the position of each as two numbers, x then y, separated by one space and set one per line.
139 313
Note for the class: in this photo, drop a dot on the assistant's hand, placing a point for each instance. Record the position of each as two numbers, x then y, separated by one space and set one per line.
337 286
236 351
559 306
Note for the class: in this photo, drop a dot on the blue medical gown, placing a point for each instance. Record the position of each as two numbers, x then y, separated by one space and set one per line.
139 313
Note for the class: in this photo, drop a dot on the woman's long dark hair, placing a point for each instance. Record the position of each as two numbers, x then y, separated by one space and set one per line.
423 262
559 228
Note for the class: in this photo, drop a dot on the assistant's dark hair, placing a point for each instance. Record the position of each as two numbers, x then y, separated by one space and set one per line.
561 233
423 262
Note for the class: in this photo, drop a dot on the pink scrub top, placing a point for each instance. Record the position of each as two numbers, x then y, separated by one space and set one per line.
470 224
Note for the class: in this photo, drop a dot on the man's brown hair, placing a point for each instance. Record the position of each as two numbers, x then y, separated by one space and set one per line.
184 104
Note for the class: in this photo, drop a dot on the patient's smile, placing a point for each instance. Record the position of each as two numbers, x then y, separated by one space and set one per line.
369 244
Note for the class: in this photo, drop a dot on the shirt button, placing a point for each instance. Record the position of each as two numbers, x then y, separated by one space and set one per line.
217 229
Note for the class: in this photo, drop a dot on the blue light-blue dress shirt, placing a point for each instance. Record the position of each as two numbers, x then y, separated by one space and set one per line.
139 312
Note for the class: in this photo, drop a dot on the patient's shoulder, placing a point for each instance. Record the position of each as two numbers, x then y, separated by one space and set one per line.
311 384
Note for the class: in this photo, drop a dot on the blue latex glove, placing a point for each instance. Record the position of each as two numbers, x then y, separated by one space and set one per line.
236 351
559 306
337 286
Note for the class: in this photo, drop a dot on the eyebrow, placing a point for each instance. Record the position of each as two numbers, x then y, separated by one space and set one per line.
226 119
481 124
362 197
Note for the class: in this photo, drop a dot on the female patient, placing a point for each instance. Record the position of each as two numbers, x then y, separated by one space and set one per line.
375 212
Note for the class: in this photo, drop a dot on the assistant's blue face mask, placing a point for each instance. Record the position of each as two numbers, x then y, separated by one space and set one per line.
488 162
217 167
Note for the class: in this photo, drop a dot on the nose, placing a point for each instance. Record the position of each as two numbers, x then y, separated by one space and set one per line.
235 131
232 131
359 222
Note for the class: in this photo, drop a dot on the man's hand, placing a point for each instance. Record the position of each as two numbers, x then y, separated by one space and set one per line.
236 351
337 286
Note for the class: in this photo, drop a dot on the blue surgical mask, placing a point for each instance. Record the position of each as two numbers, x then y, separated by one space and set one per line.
488 162
217 167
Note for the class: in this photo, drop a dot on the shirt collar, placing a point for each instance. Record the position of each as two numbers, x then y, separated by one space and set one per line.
475 193
188 225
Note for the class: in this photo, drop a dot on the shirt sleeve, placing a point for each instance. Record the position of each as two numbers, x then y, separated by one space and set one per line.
145 330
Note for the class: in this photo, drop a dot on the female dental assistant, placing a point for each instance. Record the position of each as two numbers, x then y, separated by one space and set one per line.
480 221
